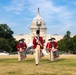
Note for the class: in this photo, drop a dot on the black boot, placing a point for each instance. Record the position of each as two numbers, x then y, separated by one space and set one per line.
36 64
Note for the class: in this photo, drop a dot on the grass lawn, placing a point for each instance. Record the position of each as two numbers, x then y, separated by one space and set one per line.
65 65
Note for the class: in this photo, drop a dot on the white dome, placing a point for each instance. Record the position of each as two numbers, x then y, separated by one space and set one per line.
38 18
38 22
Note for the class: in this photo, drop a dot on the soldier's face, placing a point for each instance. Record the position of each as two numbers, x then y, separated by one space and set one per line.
37 34
52 40
20 41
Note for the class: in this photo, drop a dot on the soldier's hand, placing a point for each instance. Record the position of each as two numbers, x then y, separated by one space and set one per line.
39 42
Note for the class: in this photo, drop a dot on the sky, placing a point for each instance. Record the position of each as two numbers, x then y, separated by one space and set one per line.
59 15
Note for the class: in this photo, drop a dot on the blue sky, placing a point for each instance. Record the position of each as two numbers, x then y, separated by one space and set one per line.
59 15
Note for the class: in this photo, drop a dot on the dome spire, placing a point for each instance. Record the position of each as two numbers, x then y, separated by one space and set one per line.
38 9
38 12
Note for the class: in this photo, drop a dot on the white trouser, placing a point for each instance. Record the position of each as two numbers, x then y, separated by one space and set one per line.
37 54
51 56
19 57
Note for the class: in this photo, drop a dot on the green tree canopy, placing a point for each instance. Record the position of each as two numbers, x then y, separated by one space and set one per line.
7 42
74 44
5 31
67 35
68 44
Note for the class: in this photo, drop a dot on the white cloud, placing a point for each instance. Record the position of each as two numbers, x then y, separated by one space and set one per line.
15 6
9 23
48 10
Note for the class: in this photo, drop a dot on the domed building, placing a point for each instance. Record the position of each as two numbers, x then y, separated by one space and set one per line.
37 23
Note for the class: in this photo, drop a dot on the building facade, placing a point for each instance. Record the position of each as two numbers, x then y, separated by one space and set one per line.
37 23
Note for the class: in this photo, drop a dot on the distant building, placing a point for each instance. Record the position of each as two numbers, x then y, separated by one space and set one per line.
37 23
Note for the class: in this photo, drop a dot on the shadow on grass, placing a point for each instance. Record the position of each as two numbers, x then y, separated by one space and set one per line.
15 60
32 60
44 61
8 60
58 60
42 74
29 60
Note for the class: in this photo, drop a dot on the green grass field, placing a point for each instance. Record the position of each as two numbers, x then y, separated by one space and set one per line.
65 65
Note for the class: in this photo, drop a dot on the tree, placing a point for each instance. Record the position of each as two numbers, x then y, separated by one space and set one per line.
4 45
7 42
67 44
67 35
61 45
5 31
74 44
